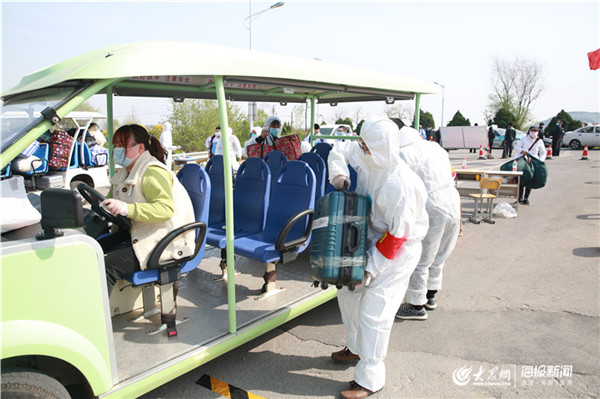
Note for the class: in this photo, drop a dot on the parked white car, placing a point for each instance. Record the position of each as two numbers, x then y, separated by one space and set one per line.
587 135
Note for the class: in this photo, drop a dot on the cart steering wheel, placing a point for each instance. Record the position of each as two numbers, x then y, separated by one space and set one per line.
95 199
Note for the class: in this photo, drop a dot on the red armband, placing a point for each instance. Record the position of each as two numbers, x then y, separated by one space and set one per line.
389 245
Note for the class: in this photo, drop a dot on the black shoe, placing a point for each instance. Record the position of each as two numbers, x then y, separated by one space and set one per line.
524 202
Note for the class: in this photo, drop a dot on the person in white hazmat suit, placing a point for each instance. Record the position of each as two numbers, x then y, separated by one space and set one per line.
431 163
397 224
235 150
166 140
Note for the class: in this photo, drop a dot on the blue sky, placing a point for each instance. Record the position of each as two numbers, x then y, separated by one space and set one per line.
448 42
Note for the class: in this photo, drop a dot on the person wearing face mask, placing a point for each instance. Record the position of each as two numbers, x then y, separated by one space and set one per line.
146 192
398 222
270 131
533 145
212 141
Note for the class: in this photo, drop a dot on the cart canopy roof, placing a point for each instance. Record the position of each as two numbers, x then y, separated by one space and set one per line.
186 70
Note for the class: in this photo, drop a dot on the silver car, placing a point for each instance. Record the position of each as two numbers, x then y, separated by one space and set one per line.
587 135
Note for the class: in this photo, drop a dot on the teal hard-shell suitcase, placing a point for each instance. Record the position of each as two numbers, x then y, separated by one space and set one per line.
339 239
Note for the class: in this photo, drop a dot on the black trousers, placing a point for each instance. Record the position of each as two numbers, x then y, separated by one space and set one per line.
119 259
556 143
524 193
507 148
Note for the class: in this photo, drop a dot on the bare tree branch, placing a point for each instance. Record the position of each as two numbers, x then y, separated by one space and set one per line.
516 85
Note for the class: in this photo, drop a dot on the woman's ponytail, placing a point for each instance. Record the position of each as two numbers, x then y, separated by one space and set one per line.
157 150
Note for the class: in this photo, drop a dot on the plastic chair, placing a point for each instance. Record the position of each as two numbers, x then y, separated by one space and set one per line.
250 202
6 173
489 188
319 168
275 161
288 226
214 168
198 186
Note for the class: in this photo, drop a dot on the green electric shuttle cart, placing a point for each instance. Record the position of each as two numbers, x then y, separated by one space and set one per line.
61 332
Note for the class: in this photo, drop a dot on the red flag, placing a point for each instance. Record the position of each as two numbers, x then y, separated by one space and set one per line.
594 58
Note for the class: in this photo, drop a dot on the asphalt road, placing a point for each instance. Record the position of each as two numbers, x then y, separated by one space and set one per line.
518 315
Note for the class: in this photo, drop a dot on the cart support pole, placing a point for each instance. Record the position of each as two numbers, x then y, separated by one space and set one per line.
312 121
417 111
110 128
228 181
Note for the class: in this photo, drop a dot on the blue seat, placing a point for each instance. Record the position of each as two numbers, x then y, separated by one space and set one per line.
353 179
6 171
88 159
323 149
250 202
214 168
289 218
42 153
198 186
319 168
275 160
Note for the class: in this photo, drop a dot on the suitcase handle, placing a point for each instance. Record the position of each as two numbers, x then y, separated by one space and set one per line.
353 247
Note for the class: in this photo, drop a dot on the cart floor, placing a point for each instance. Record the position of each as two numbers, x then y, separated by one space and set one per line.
205 303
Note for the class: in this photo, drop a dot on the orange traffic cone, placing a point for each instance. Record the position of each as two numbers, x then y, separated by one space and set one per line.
585 153
481 154
549 153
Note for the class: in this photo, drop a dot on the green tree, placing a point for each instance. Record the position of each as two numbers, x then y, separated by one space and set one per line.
195 120
569 124
425 119
345 121
86 107
459 120
286 129
503 117
359 126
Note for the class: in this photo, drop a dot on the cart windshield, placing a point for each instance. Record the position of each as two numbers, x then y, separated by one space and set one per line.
21 114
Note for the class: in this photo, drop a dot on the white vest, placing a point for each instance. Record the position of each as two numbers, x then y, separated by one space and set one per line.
127 187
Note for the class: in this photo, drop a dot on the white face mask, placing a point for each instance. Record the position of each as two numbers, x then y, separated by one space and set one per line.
533 134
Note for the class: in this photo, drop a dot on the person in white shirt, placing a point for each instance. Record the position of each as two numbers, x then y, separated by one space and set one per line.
235 150
212 141
534 146
270 131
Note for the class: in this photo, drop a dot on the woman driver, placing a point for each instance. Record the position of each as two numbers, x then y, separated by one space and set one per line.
146 192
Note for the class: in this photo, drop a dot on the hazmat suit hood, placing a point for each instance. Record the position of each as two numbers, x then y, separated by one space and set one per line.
167 127
270 120
381 136
408 136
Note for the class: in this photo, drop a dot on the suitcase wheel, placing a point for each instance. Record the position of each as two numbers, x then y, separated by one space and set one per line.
315 284
351 287
324 285
339 286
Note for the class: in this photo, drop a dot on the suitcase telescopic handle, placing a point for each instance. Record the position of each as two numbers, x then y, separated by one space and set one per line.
352 247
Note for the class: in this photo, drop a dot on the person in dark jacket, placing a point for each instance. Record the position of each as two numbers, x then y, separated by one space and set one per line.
490 141
557 136
509 137
541 131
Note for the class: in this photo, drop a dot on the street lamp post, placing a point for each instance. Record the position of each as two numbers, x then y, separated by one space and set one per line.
251 17
443 95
